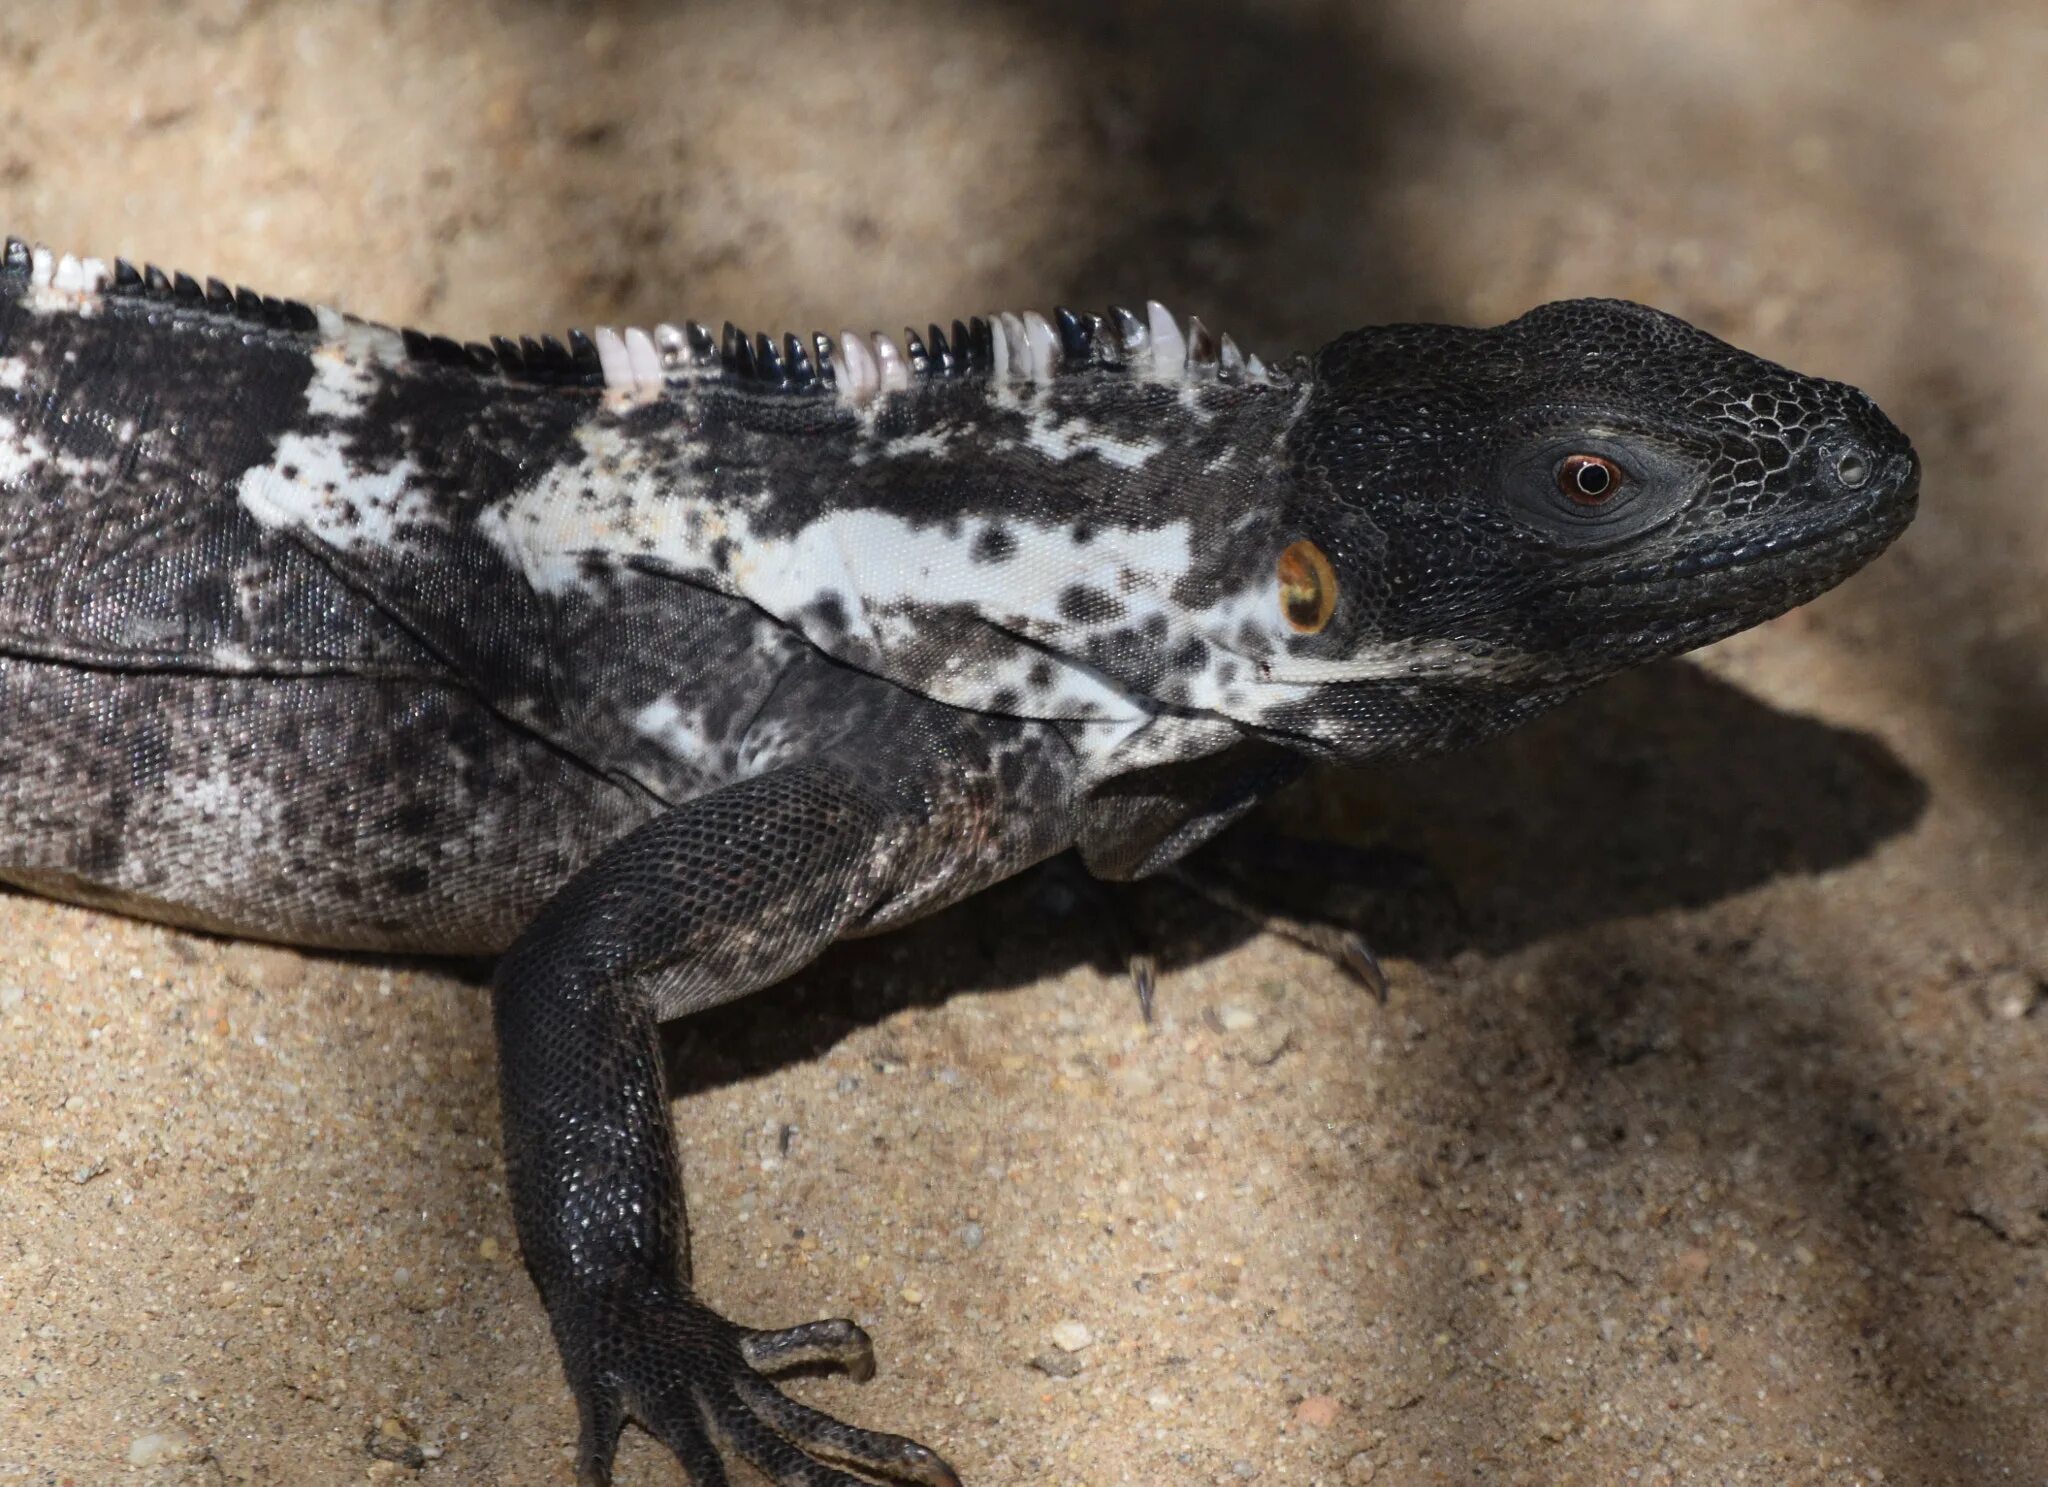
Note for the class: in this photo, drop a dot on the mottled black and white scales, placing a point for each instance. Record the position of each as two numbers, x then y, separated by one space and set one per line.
659 660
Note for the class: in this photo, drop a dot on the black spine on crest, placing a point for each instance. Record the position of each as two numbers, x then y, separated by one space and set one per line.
702 348
126 279
767 365
822 345
185 290
586 367
18 262
942 353
1108 350
797 363
219 298
984 342
1076 335
438 350
157 282
914 353
1130 330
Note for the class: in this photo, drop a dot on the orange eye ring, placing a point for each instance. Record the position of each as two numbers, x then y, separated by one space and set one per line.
1589 479
1308 587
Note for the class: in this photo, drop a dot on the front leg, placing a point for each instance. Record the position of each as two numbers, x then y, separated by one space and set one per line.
720 896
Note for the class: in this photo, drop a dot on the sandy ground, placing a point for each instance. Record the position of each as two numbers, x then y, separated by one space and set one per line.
1710 1147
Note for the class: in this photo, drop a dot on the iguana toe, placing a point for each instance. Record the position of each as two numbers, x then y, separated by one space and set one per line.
695 1382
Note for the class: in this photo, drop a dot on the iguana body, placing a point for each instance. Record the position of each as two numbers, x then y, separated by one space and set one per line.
659 662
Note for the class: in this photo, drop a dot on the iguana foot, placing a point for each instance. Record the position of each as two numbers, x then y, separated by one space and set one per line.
1346 947
696 1383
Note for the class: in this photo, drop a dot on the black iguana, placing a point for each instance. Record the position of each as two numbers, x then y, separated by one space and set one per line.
657 661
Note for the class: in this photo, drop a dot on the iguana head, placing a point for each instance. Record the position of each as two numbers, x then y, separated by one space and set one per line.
1475 523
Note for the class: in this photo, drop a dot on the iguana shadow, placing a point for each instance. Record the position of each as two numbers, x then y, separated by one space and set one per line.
1666 788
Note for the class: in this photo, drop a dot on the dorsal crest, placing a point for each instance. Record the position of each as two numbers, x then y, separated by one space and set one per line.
637 365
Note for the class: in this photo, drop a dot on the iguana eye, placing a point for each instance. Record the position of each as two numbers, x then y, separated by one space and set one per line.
1308 587
1589 480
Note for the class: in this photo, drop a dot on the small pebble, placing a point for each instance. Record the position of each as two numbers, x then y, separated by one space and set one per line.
1071 1336
1359 1470
1265 1045
395 1440
1235 1019
164 1448
92 1169
2011 995
1159 1399
970 1236
1319 1410
1058 1365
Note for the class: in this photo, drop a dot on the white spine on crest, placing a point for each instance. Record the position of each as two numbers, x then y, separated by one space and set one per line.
859 378
360 340
631 366
1169 347
67 283
1044 345
644 360
611 360
1019 345
895 375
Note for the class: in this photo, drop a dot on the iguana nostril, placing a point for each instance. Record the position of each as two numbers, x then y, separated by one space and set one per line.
1852 468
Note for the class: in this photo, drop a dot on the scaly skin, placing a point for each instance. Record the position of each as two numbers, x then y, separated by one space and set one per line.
660 661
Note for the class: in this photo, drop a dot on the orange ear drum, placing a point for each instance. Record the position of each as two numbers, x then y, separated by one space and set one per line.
1308 587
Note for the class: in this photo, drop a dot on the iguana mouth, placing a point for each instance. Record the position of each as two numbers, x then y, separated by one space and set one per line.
1859 531
1739 592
